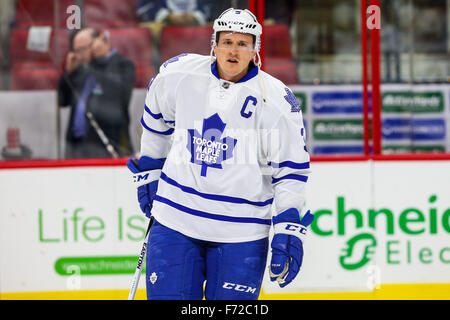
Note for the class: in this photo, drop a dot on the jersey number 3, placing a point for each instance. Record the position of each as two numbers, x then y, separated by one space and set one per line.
244 112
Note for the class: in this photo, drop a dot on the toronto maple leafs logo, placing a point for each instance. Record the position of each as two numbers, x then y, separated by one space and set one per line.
209 149
292 100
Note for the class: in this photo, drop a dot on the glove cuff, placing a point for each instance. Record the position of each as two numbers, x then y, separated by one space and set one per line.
288 222
292 229
145 177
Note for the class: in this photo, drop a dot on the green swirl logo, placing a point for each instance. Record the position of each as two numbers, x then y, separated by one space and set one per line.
358 251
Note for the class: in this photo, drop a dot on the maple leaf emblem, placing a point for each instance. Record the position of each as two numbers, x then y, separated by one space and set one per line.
208 149
292 100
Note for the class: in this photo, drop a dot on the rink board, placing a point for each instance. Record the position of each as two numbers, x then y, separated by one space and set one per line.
382 230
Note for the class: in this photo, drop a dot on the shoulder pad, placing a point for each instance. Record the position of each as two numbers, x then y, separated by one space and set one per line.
184 61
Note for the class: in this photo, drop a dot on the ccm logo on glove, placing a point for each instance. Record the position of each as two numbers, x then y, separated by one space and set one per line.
138 178
146 172
296 227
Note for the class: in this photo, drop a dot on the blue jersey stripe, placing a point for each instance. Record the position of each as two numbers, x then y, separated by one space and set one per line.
156 116
214 197
292 177
208 215
168 132
290 164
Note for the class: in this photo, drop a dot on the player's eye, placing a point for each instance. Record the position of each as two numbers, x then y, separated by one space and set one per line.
240 45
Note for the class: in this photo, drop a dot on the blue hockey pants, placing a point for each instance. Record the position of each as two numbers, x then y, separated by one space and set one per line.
182 268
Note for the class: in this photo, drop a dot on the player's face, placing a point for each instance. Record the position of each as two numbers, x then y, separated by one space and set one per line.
234 51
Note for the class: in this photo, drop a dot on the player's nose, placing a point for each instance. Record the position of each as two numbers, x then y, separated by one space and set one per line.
234 49
234 53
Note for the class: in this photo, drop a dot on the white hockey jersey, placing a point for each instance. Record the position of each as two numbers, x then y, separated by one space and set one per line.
233 150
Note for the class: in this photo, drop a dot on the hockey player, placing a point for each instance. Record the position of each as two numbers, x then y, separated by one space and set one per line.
222 151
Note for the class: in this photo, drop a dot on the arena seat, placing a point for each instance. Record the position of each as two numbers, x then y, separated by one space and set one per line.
110 13
29 78
277 41
96 13
136 45
143 76
20 55
282 69
278 56
176 40
41 12
133 43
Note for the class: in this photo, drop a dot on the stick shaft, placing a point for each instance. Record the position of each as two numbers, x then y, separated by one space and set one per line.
137 273
102 135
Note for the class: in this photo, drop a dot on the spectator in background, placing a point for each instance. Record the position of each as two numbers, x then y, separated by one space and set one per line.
6 20
391 44
155 14
175 12
98 80
276 12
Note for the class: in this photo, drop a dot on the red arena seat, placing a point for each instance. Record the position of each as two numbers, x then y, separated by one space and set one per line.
136 45
110 13
20 55
176 40
24 78
133 43
41 12
282 69
143 76
278 56
280 42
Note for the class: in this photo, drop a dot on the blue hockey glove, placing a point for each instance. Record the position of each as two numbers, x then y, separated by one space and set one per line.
146 173
287 245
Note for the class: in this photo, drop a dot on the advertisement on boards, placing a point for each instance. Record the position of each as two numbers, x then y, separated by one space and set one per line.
82 229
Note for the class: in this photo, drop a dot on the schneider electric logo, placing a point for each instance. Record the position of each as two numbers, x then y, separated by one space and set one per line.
358 251
395 236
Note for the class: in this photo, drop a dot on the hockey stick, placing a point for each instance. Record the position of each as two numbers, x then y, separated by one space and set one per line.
102 135
137 273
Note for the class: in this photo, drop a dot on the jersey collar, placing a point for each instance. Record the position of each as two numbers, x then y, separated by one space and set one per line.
250 74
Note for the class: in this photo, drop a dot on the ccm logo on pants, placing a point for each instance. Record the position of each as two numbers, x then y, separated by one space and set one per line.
238 287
